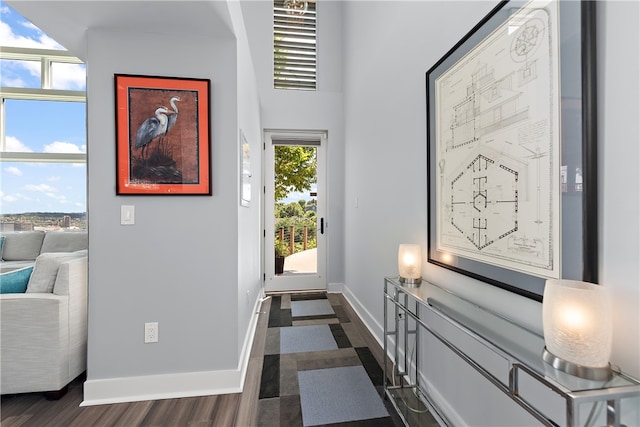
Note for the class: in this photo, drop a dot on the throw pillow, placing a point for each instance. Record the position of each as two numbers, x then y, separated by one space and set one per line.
22 245
15 282
45 271
64 241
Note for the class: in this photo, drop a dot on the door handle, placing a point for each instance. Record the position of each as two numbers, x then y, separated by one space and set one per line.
321 225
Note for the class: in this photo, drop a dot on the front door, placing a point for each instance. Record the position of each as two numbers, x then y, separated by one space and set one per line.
295 211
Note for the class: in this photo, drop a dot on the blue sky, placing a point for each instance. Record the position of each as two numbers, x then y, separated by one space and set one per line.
38 126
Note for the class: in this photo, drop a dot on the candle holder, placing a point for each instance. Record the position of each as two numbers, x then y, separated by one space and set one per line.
577 324
410 264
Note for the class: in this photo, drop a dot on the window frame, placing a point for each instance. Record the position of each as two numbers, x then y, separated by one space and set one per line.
46 57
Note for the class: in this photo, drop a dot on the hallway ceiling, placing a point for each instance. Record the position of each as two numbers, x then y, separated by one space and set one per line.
68 21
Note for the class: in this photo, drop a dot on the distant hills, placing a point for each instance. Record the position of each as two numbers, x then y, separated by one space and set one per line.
73 215
43 221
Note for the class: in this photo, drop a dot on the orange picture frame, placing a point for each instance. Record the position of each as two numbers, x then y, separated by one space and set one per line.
163 142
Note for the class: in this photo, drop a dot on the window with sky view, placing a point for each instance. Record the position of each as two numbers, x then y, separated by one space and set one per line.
43 130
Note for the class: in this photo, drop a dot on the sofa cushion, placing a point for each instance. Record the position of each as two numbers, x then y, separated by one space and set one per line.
22 245
64 241
46 269
15 281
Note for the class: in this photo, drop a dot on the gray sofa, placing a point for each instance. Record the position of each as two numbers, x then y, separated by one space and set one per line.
43 331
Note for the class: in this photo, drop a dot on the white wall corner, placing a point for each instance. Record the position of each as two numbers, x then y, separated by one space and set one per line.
335 288
374 327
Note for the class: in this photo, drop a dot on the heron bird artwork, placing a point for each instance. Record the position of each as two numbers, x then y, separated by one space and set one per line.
173 117
152 128
163 139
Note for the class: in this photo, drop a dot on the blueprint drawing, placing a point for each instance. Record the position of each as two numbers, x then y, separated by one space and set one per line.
498 147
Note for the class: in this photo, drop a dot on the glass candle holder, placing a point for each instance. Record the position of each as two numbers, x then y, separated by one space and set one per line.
577 325
410 263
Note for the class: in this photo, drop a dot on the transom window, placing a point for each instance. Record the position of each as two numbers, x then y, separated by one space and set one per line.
294 44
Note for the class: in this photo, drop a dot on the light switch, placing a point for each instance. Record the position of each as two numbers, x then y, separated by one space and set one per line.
127 215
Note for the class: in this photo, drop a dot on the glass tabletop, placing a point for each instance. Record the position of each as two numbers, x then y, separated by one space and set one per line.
521 344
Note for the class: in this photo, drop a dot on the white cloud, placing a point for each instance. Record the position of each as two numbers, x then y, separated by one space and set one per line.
62 147
12 170
54 178
11 81
43 188
15 197
42 41
13 73
9 38
69 76
15 145
59 197
30 26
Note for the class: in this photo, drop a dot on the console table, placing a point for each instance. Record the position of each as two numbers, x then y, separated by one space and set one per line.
511 357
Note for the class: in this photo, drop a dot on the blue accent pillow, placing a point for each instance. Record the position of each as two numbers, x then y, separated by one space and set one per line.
15 282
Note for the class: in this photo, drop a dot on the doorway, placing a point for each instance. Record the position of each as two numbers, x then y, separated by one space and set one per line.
295 210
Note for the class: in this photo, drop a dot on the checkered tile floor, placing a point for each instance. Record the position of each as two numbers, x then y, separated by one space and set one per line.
318 370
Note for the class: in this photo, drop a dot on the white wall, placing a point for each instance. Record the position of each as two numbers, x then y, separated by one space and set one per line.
249 224
385 150
313 110
178 264
619 182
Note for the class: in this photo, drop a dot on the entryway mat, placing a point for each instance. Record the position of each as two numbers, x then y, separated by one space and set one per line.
299 339
338 395
319 307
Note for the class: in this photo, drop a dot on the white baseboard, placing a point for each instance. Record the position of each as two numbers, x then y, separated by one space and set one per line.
369 321
156 387
172 386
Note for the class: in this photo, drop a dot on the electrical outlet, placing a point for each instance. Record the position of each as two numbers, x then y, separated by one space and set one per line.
150 332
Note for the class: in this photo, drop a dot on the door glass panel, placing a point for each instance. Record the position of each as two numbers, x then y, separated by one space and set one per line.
295 210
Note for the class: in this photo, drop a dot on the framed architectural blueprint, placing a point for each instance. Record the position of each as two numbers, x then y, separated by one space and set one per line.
511 148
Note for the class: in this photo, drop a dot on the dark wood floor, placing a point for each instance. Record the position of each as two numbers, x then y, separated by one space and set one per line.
220 411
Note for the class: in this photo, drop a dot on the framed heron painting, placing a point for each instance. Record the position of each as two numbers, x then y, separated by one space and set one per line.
163 143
